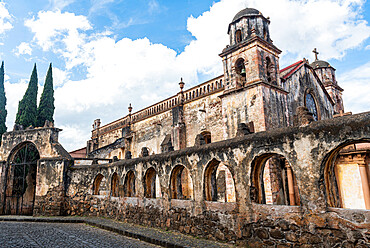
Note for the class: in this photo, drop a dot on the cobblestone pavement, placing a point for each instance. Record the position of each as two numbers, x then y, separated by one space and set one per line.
53 235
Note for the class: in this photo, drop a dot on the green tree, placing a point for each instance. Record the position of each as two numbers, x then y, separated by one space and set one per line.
27 107
45 111
3 111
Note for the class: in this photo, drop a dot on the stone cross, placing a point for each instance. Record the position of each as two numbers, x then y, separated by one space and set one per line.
316 53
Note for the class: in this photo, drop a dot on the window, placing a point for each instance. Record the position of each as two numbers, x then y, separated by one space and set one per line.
238 36
311 105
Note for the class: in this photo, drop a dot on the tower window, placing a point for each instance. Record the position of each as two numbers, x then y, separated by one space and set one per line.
238 36
240 71
270 71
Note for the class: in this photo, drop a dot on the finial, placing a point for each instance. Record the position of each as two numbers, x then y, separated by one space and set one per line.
316 53
129 108
181 84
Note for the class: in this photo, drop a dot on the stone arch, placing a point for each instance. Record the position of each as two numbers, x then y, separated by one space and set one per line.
97 184
115 185
181 184
129 184
345 175
20 176
151 183
273 181
218 183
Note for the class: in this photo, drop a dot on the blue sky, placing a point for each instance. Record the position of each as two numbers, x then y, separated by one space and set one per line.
107 54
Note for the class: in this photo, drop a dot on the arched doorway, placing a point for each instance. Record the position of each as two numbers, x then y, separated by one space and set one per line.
21 180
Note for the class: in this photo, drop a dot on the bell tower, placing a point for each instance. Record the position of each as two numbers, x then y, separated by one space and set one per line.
251 56
327 75
253 91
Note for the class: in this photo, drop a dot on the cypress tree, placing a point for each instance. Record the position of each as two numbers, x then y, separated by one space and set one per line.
27 107
3 111
45 111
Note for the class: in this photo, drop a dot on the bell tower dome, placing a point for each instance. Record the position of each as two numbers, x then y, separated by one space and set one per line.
251 56
244 22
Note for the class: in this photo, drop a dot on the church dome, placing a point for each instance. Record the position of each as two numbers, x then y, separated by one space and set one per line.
320 64
246 12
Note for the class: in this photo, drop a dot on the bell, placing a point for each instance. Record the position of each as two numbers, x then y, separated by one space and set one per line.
242 72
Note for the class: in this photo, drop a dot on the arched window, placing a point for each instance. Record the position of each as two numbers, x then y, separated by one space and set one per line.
346 176
181 185
269 72
115 185
218 183
96 185
273 181
311 105
150 183
21 179
129 185
240 71
238 36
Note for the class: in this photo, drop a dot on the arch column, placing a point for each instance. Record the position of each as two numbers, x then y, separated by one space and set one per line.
365 183
290 183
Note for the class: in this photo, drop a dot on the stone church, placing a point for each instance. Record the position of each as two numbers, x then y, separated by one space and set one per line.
258 156
253 94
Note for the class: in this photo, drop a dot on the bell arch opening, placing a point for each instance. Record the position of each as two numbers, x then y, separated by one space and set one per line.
21 173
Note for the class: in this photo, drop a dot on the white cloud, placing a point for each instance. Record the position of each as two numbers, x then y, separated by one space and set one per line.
356 85
59 32
5 19
138 71
59 77
59 4
23 48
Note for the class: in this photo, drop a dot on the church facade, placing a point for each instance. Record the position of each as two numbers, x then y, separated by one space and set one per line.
253 94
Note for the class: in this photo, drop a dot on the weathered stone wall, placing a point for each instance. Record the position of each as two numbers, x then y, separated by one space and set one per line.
48 186
298 85
313 223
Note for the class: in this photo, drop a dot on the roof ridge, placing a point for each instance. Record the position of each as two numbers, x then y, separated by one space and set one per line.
289 66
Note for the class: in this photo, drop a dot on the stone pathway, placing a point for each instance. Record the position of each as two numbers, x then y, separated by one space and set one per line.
150 235
31 234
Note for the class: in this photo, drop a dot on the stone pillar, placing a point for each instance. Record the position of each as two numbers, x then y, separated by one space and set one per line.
290 183
365 184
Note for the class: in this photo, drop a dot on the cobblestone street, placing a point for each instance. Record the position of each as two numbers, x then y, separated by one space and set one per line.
24 234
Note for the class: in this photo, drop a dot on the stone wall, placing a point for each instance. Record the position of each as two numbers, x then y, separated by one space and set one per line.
313 223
